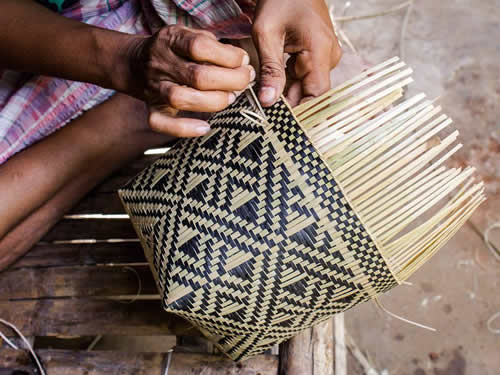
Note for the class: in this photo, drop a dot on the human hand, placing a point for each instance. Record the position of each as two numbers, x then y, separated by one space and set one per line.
303 29
182 69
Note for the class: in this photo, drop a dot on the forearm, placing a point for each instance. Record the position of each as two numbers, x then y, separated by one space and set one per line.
34 39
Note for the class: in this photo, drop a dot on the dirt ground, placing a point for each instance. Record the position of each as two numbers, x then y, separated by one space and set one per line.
454 48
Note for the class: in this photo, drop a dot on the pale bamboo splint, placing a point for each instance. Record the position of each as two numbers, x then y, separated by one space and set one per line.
388 158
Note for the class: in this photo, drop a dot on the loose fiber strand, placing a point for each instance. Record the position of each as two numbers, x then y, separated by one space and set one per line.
422 207
404 125
399 177
438 240
314 102
401 244
350 91
394 168
364 114
364 98
414 201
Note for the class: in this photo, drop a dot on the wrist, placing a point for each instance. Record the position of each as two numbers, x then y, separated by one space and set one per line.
118 56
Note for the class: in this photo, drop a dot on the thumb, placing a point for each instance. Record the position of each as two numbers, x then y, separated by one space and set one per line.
270 47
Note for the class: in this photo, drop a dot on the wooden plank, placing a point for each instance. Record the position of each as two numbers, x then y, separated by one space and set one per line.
322 348
87 317
54 255
88 281
309 353
63 362
99 203
90 229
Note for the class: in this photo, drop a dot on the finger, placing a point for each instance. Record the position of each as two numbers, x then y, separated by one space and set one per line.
211 77
177 127
199 47
314 70
294 93
299 65
188 99
270 47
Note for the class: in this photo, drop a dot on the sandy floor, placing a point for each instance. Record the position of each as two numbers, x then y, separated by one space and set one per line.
454 48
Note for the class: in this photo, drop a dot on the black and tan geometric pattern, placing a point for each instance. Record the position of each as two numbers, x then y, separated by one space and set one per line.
249 236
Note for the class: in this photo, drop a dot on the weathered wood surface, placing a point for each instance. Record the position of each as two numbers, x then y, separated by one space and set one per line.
309 353
87 317
97 202
58 255
62 362
76 281
98 229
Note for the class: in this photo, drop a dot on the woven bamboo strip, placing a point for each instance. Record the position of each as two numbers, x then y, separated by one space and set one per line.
390 163
314 103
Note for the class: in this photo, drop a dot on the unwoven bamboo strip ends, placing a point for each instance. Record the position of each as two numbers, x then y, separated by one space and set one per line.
279 218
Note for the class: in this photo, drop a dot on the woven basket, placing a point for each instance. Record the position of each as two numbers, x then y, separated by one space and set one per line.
279 218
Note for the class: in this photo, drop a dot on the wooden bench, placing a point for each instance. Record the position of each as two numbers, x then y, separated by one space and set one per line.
83 279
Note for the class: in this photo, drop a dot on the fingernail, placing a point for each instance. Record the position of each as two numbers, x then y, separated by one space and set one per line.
252 73
202 130
246 59
232 97
267 95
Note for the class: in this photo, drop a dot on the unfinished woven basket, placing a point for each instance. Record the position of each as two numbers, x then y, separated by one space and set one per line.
279 218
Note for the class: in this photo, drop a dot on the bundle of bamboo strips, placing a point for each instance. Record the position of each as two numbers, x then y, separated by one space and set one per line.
388 159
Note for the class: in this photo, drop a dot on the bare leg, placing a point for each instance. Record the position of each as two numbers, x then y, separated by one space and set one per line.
43 182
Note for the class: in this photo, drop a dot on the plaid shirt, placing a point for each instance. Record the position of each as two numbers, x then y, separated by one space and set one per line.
32 107
225 18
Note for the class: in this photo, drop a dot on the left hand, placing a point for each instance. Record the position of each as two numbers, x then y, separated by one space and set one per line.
303 29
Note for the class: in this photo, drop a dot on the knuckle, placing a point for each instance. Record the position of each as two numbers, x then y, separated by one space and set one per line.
272 69
243 80
153 124
196 76
166 33
196 43
221 102
176 97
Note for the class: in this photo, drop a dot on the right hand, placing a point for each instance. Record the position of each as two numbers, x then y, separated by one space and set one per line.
183 69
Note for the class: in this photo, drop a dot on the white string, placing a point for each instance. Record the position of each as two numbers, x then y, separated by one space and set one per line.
94 343
169 358
486 237
10 343
489 324
377 302
139 286
26 342
402 41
